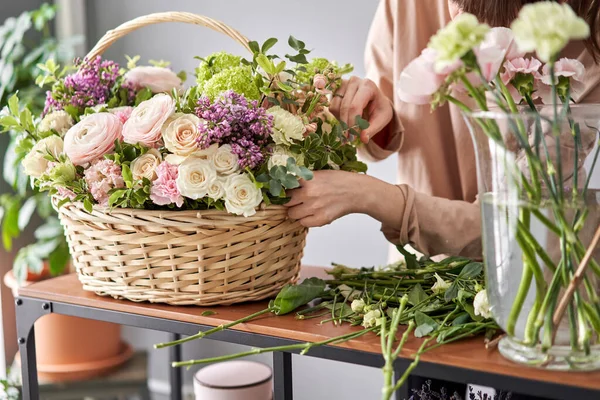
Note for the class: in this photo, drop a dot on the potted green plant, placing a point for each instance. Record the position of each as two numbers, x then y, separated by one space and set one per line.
26 43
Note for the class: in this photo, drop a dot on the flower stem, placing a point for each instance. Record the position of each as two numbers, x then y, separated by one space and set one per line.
200 335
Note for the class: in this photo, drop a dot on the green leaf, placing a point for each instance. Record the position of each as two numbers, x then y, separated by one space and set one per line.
262 178
416 295
10 222
284 87
20 265
50 230
293 296
265 64
254 46
425 324
59 258
290 182
208 313
355 166
87 205
305 173
127 175
451 293
462 318
270 42
142 95
275 188
411 259
471 270
295 43
278 172
26 212
13 105
362 123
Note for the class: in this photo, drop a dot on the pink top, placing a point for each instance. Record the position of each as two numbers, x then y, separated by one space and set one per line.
436 160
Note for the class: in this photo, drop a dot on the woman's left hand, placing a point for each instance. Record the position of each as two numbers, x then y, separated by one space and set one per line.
328 196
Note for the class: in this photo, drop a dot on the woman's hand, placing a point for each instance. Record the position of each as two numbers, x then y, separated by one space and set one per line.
333 194
362 97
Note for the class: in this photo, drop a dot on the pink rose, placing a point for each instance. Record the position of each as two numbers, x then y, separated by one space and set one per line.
146 121
157 79
565 67
101 177
92 137
164 189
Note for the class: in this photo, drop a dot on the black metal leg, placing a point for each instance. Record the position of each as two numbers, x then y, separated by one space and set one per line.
282 376
175 373
28 311
403 393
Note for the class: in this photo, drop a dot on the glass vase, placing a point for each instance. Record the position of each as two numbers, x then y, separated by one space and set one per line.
538 179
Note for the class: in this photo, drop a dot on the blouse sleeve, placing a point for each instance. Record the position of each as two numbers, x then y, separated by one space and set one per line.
379 64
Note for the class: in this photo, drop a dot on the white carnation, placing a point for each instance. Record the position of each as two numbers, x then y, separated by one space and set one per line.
34 164
58 121
482 305
224 161
546 27
195 177
286 126
241 195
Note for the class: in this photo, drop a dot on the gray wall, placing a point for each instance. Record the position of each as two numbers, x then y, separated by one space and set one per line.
334 29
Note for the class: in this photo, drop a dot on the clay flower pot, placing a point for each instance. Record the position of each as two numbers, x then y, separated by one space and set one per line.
71 348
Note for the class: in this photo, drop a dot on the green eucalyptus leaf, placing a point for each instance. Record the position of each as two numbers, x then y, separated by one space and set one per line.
290 182
275 188
416 295
425 324
362 123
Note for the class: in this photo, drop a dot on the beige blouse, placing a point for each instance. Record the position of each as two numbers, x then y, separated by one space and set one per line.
436 160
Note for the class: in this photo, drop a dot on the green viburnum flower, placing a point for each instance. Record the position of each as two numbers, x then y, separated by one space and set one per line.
456 39
238 79
61 174
214 64
546 28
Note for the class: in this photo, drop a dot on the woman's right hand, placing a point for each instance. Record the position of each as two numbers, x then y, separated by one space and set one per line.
362 97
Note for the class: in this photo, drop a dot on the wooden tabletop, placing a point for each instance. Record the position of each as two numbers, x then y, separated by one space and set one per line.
468 354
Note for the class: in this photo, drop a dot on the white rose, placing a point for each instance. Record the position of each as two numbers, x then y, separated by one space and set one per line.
174 159
224 161
216 190
241 195
34 163
371 318
286 126
440 285
145 165
358 305
195 177
482 305
546 28
180 134
58 121
281 155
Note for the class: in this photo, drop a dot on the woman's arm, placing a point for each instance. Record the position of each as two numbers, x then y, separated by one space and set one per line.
430 224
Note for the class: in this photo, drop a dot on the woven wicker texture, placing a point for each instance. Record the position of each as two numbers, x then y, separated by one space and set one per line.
182 257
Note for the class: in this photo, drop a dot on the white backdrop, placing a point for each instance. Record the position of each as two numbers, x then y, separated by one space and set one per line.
334 29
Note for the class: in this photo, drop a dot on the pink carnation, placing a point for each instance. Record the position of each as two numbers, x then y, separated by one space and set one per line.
565 67
527 66
101 177
65 193
164 189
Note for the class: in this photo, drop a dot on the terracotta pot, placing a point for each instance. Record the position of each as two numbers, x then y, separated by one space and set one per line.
71 348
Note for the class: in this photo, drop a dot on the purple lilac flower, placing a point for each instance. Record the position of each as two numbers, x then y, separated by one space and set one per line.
88 87
232 119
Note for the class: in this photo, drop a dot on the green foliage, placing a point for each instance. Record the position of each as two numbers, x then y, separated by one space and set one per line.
293 296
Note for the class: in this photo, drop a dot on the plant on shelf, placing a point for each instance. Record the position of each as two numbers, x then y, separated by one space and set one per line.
25 43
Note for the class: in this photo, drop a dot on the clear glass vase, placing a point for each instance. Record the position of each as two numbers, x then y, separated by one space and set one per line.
539 193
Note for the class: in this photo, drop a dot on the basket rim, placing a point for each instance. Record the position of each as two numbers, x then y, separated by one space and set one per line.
272 209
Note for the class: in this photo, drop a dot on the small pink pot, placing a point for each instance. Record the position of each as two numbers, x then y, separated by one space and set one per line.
234 380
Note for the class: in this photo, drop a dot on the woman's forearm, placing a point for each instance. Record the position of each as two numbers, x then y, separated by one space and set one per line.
381 200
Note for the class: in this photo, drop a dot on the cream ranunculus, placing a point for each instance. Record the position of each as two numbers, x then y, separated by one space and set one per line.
224 161
195 177
241 195
482 305
180 134
216 190
145 165
546 27
92 137
280 156
146 121
456 39
34 163
157 79
286 126
58 121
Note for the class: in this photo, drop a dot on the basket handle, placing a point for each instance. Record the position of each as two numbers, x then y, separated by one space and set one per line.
174 16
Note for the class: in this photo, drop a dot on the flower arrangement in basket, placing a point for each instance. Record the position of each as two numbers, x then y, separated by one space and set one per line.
174 195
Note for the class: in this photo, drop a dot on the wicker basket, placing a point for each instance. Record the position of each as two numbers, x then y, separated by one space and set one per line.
182 257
